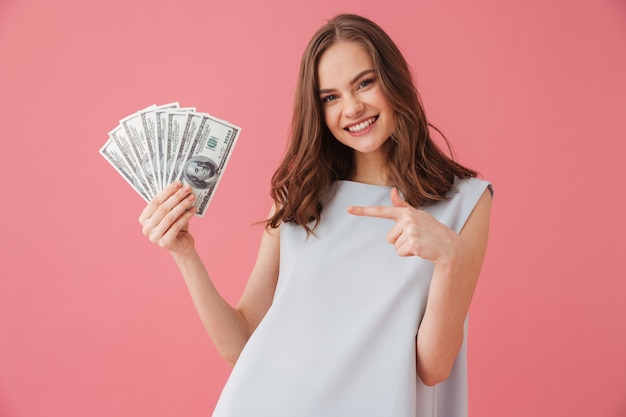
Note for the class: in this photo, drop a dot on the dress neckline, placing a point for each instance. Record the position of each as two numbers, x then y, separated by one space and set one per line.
364 184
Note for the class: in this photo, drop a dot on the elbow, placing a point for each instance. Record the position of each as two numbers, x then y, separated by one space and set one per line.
434 378
435 363
433 375
431 379
230 359
229 354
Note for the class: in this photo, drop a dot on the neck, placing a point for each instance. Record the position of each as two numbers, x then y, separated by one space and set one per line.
369 169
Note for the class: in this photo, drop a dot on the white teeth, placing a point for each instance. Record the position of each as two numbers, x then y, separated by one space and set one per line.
362 125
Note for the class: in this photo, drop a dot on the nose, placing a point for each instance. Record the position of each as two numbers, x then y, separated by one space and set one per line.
353 107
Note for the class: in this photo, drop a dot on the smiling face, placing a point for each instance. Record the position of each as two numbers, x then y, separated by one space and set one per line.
353 104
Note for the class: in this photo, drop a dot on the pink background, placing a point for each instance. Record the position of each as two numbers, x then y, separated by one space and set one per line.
95 321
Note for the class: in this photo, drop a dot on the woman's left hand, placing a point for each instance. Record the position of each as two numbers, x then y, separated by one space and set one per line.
416 232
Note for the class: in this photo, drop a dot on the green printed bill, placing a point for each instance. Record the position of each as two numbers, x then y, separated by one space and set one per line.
161 144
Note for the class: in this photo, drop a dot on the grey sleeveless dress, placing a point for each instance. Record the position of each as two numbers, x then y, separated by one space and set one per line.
339 338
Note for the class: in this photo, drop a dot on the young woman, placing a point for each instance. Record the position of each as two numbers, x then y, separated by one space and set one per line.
357 303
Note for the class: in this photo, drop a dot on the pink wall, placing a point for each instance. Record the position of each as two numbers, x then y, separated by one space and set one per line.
95 321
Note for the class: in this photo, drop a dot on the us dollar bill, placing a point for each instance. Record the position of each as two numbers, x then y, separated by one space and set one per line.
111 152
149 122
161 144
142 149
194 123
121 140
176 125
206 160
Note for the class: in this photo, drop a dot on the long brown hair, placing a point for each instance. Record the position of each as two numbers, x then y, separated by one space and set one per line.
314 159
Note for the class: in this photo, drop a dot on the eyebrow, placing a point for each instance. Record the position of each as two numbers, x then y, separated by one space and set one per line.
352 81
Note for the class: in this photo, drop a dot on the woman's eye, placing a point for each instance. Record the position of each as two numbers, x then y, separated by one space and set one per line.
365 83
329 98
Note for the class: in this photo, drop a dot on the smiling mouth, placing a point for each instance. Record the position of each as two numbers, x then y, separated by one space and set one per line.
361 126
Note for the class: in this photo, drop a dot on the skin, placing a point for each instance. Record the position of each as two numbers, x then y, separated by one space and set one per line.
165 221
350 95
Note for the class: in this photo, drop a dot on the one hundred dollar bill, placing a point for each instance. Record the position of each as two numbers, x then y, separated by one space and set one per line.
120 138
111 152
161 144
146 120
176 124
194 123
136 134
206 160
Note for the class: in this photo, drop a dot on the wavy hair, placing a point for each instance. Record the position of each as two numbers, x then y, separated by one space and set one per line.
314 159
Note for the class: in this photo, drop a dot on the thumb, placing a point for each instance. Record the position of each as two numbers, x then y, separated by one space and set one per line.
396 200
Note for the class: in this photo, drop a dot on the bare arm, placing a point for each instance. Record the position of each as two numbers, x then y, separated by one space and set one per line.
165 222
454 279
457 258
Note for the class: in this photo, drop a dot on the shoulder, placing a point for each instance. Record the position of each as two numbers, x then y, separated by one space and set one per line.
461 200
469 187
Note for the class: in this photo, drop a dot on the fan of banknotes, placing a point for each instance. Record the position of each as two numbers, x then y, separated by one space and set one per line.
162 144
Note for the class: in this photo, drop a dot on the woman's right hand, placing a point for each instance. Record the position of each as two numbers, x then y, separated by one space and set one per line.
165 221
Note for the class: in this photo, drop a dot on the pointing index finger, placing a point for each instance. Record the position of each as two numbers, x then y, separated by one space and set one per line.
383 212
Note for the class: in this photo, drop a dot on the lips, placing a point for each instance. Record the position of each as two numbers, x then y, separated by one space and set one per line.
358 127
